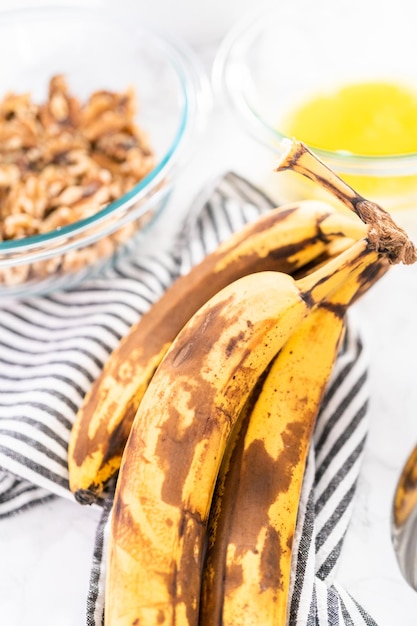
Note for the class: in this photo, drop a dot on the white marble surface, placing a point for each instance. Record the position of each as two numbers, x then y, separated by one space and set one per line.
46 552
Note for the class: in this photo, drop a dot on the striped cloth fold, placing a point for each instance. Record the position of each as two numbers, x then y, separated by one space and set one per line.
53 347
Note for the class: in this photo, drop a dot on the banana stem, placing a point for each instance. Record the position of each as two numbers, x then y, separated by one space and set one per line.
384 234
343 226
324 281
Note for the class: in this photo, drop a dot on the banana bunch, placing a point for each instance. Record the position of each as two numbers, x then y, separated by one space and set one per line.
181 429
205 411
291 239
208 488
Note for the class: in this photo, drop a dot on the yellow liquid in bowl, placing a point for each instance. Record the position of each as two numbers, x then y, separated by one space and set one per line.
371 119
367 119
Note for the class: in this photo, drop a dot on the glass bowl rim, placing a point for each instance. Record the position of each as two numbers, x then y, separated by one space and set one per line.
224 63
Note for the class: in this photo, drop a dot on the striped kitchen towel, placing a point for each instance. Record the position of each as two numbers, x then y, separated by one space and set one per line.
53 347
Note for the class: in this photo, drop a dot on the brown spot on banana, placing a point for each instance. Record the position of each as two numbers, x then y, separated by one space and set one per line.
257 468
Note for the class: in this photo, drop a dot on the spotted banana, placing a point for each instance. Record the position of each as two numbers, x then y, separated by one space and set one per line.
287 239
173 454
253 516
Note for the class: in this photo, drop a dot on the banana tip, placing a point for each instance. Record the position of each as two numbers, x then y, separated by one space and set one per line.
85 496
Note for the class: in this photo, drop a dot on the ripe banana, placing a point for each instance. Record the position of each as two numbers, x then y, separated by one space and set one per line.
172 457
285 239
252 521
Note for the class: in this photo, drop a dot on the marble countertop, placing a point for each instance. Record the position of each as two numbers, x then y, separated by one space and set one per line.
46 551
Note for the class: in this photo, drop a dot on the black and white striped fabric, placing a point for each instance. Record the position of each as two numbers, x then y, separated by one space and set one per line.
52 348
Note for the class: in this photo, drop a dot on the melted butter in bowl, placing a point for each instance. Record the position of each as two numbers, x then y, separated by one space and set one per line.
363 119
299 71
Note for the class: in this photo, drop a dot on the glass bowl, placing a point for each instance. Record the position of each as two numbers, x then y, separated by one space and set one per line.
283 54
100 50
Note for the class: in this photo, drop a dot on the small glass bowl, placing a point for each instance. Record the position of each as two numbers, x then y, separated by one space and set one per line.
101 50
280 55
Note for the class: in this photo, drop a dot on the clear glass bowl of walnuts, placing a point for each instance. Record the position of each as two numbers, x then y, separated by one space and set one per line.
97 116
